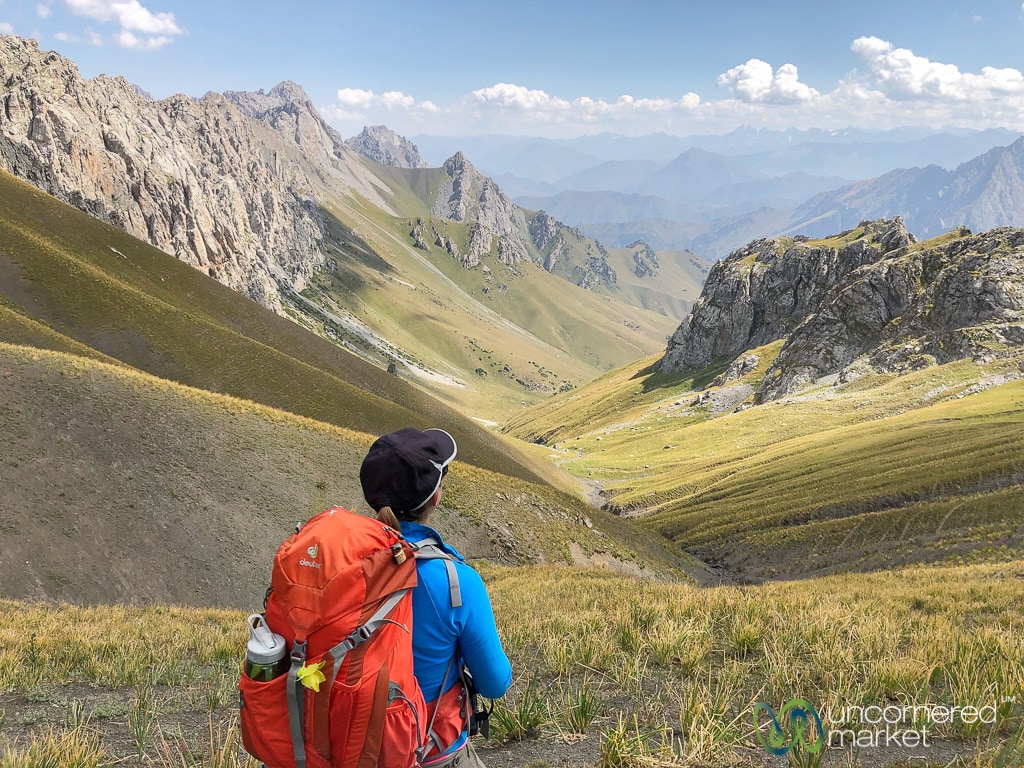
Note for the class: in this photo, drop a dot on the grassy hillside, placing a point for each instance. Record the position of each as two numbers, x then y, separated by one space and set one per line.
71 283
610 671
129 487
485 339
671 291
884 470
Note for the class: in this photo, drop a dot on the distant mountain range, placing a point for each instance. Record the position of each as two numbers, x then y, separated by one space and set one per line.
851 152
712 194
983 193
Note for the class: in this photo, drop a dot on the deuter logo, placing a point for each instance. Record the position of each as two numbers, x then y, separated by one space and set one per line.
312 552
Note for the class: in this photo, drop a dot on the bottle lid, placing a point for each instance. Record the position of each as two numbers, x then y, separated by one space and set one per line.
264 646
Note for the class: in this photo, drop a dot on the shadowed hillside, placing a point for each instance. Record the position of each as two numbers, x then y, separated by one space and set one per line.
118 486
69 282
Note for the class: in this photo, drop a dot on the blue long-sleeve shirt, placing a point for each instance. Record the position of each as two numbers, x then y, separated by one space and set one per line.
438 628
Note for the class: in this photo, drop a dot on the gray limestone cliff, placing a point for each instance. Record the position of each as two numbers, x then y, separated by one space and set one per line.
384 146
502 229
870 299
231 184
467 195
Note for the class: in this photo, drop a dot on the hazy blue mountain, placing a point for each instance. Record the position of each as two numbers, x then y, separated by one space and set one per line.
983 193
619 218
868 152
576 208
695 171
714 193
615 175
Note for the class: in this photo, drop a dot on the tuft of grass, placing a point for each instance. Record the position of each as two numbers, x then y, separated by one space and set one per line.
223 749
141 720
78 748
520 714
578 706
627 745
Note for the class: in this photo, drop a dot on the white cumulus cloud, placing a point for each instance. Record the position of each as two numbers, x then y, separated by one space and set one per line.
127 39
894 87
44 11
396 100
356 106
757 83
6 28
140 28
510 96
354 98
901 74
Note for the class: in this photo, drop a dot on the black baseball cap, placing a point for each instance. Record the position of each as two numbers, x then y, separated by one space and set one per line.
403 469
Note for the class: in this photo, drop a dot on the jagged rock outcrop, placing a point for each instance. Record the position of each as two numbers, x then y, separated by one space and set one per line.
762 291
417 235
596 270
547 237
867 300
228 183
645 260
468 195
478 247
909 310
382 145
500 227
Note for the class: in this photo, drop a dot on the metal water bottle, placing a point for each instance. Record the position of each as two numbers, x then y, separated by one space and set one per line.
266 654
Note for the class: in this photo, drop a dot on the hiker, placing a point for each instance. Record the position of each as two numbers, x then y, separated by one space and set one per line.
453 622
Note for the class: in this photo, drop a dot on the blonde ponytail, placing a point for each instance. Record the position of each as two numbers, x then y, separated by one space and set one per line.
387 516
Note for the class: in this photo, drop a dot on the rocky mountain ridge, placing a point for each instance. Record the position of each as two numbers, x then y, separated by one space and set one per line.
228 183
508 232
384 146
869 299
235 184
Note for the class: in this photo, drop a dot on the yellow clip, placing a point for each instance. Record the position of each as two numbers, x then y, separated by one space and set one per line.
311 677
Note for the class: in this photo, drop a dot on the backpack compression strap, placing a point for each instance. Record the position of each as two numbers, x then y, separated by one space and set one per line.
296 697
296 703
430 549
361 634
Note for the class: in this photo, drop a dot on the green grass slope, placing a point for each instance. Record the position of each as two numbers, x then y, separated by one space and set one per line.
671 291
436 315
487 339
71 283
117 486
884 470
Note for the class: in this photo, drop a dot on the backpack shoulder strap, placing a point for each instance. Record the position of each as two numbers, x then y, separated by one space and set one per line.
430 549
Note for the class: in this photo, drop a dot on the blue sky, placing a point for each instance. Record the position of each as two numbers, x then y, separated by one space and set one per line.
566 68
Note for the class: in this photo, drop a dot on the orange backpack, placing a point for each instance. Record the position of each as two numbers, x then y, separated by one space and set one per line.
340 594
